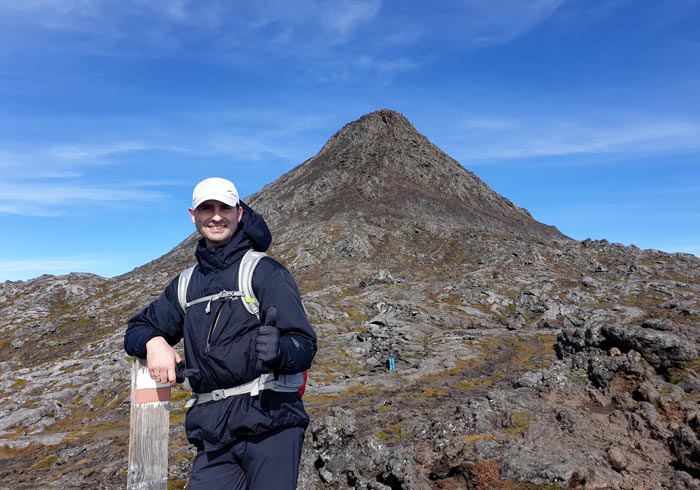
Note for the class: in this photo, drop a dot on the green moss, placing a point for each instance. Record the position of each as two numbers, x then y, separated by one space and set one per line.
321 399
5 344
177 484
475 383
43 463
178 395
433 392
394 432
693 364
478 437
113 399
101 400
521 421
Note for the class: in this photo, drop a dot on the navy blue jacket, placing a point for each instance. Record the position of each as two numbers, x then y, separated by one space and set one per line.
220 345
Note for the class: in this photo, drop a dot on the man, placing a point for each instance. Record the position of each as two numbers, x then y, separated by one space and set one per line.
246 439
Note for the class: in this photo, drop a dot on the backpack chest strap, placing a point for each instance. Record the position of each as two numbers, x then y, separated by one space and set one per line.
245 285
214 297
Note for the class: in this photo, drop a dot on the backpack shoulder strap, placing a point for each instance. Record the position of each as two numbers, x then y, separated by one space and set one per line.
245 280
182 282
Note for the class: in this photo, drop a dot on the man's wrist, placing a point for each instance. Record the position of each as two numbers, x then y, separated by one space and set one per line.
150 343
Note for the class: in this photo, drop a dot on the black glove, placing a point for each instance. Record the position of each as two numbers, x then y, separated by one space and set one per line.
180 374
267 342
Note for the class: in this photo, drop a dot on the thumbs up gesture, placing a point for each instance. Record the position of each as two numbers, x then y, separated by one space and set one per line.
267 341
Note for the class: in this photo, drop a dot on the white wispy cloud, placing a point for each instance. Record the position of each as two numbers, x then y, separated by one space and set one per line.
306 28
49 199
343 17
500 21
68 160
492 138
49 195
97 152
55 194
340 17
665 15
252 135
489 123
51 181
236 135
239 146
77 14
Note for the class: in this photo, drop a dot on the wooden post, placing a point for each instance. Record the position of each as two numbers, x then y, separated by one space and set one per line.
149 432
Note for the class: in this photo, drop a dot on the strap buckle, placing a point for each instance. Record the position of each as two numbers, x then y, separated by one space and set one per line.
192 401
217 395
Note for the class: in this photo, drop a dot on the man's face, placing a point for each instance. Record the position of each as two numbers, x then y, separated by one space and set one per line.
216 221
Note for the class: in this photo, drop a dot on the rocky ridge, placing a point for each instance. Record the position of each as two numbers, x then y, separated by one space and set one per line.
528 360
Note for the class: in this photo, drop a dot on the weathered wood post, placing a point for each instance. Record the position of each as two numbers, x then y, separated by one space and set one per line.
149 432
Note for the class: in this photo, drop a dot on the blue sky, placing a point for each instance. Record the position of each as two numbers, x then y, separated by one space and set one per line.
585 112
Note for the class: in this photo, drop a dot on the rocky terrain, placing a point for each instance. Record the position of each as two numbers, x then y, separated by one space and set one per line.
527 360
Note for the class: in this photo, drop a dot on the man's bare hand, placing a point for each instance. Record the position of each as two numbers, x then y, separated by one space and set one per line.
161 359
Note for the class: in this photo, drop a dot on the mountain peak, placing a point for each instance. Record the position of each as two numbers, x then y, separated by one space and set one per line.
385 134
384 125
380 168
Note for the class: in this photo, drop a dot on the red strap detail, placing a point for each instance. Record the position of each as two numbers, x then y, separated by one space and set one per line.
302 388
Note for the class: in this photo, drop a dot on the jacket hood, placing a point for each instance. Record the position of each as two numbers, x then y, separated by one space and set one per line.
252 232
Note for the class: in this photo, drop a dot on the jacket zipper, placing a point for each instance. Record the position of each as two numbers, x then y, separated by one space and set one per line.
217 315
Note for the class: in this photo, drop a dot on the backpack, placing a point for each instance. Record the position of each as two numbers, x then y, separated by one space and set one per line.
282 382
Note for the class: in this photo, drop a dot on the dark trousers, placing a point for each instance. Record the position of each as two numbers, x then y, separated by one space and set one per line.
265 462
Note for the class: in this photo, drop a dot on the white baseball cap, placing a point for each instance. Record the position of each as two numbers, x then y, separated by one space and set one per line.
216 188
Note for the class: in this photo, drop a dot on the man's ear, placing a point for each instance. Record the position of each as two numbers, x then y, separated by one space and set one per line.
192 215
240 213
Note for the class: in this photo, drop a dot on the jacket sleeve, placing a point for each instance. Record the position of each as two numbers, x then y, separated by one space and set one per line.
274 286
163 317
